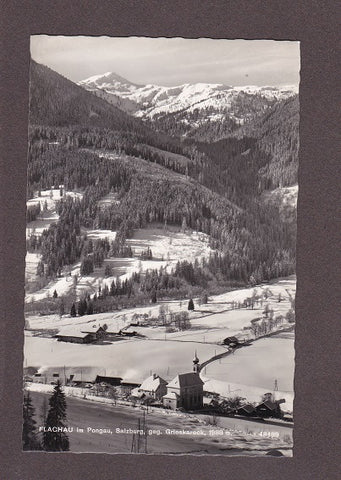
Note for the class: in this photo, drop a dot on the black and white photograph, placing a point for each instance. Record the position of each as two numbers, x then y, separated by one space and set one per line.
160 273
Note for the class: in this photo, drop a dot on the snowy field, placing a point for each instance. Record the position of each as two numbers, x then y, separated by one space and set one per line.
260 364
31 264
42 222
132 359
253 370
171 244
211 318
168 247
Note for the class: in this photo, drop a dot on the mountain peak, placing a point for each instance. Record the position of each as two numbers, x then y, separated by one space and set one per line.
105 79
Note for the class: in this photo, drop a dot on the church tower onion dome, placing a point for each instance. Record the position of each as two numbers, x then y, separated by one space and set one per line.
196 366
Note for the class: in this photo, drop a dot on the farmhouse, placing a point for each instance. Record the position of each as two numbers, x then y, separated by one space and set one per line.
73 335
270 408
246 410
154 386
75 376
76 334
185 390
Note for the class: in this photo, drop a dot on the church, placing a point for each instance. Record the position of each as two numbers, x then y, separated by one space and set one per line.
185 390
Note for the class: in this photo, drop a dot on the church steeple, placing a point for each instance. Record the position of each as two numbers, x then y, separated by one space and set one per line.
196 365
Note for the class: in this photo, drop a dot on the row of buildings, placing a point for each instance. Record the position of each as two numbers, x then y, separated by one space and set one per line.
184 391
89 333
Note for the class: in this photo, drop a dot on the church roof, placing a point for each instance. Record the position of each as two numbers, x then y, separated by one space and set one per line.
185 380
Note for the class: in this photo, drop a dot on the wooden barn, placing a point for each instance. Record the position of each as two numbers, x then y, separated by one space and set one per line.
76 334
73 335
96 330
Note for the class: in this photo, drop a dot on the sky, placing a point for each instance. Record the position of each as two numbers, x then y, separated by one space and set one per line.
171 61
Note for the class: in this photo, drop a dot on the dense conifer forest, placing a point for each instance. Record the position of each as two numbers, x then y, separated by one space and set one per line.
214 186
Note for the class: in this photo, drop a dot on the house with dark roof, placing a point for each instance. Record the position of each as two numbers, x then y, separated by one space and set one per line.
246 410
269 408
109 380
185 390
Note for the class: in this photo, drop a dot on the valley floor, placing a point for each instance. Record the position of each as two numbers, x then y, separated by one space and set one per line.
249 372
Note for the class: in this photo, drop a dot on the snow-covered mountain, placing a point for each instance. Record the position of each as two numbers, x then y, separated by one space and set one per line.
192 104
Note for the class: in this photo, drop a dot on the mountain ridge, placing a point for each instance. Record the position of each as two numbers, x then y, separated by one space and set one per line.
154 102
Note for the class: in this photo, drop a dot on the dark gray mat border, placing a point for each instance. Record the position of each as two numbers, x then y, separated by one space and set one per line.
314 24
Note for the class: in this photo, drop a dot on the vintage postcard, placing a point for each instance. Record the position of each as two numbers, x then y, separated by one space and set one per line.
161 246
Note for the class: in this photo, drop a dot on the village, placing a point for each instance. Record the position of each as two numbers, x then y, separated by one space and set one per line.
157 416
185 392
144 364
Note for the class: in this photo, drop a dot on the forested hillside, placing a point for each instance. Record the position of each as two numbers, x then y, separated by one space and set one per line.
57 102
81 142
250 240
211 124
277 136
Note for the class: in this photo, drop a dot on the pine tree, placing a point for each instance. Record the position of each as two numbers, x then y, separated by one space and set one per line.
61 308
190 304
29 433
40 269
58 440
153 299
108 271
73 310
90 308
43 410
55 294
82 307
